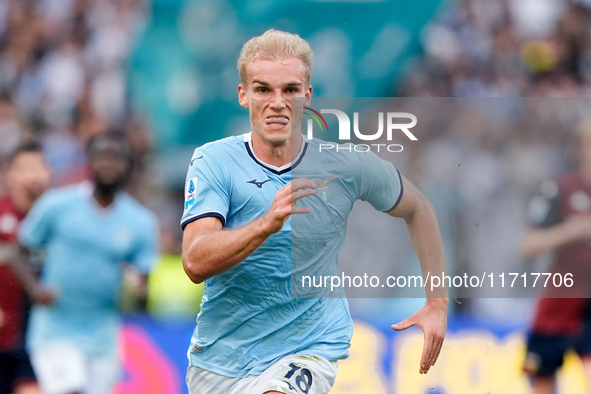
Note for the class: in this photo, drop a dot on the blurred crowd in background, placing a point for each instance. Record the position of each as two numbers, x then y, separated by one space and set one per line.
64 77
500 48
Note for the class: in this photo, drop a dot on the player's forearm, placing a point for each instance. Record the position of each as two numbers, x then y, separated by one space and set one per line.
538 241
208 250
20 268
217 251
424 231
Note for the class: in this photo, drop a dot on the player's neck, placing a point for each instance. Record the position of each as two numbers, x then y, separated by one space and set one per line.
21 200
103 198
277 155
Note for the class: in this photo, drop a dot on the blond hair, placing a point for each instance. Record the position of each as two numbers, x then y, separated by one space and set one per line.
273 45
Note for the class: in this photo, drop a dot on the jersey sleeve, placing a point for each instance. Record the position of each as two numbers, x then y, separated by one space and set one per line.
543 209
35 229
206 188
145 252
381 183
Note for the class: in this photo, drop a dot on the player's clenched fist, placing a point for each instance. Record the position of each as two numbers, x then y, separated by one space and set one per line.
284 203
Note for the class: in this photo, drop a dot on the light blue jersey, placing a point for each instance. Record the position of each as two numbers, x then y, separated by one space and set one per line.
85 246
249 317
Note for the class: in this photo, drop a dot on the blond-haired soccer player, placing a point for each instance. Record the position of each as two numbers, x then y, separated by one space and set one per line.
251 335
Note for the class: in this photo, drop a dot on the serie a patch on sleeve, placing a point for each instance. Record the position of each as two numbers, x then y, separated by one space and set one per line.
190 192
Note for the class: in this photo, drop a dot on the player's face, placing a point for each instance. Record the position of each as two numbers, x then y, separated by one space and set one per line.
28 174
271 84
109 167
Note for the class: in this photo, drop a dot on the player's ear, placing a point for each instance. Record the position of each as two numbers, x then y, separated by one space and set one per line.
242 96
308 96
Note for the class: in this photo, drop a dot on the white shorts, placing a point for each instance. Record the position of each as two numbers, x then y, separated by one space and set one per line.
296 374
61 368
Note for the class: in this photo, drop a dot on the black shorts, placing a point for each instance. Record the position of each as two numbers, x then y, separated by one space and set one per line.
15 367
545 353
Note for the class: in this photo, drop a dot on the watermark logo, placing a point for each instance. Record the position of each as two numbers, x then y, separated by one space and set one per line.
391 119
345 124
315 117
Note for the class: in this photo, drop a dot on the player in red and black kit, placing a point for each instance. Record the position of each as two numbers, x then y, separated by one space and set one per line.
561 222
27 177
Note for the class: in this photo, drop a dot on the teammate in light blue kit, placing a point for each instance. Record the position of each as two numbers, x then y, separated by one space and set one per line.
253 334
88 231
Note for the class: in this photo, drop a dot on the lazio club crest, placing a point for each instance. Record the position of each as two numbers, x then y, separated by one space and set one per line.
323 190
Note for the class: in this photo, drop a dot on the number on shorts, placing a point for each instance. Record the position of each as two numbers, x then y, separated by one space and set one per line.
305 378
292 370
303 381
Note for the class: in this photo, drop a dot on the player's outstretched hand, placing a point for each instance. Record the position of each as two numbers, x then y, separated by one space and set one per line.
432 319
285 201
